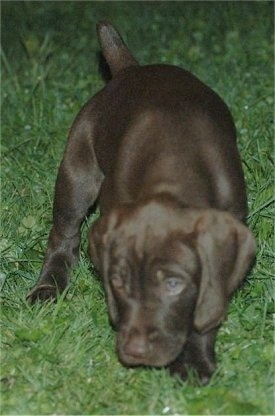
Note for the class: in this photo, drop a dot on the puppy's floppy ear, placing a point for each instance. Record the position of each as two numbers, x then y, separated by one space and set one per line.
100 240
226 248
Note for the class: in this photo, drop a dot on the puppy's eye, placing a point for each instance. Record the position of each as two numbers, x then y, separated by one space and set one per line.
174 285
117 281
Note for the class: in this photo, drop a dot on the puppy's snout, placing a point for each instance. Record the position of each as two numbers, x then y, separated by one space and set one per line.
138 342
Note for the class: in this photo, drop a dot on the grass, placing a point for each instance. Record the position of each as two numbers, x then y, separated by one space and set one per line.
60 359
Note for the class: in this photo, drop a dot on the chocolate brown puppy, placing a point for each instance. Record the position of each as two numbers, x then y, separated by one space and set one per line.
156 149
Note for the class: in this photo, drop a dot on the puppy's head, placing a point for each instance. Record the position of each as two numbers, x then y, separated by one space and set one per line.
167 270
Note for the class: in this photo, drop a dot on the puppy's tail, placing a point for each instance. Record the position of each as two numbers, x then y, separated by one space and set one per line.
113 48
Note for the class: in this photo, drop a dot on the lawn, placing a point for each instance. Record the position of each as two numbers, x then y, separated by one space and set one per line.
59 358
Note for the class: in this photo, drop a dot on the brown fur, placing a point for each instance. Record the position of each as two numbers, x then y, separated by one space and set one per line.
157 149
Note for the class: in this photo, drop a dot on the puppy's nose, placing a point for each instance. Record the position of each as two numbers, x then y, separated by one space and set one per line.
136 344
139 343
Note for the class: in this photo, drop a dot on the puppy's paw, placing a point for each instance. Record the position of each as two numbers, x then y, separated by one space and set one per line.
201 372
205 372
178 369
42 293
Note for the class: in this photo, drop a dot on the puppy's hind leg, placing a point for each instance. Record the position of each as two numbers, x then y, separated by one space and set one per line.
77 187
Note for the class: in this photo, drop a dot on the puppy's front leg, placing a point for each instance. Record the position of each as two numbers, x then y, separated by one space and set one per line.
198 353
77 187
